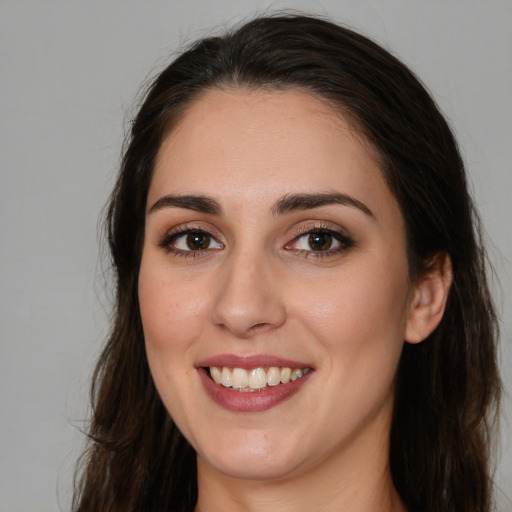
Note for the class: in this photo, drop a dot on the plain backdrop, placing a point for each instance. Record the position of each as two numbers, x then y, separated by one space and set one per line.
69 75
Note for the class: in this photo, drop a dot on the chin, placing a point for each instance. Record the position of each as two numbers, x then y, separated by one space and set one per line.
257 470
260 459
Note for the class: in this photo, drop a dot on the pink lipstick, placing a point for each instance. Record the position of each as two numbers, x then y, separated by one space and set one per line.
251 383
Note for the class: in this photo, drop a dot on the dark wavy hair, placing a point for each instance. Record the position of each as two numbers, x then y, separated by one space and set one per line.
448 387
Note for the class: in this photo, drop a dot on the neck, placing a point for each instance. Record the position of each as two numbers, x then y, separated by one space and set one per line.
356 479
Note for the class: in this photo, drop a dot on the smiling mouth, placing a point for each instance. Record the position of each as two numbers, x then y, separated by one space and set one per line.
255 379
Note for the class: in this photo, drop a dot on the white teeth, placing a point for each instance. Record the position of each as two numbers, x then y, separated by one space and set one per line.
240 379
285 375
253 380
226 377
273 376
215 374
257 378
296 374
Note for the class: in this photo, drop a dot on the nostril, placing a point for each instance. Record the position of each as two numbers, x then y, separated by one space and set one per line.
259 328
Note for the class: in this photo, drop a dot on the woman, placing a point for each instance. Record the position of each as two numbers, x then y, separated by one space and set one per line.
303 318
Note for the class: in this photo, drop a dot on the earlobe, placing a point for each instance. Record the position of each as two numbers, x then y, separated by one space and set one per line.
429 299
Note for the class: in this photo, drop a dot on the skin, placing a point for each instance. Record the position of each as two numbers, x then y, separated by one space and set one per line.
259 288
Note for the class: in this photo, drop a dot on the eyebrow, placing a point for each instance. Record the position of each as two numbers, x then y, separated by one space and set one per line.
289 203
294 202
201 204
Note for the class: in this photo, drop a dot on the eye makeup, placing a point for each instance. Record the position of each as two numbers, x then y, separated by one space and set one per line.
323 241
189 241
314 240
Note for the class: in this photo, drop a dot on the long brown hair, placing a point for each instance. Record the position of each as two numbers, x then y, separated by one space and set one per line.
447 391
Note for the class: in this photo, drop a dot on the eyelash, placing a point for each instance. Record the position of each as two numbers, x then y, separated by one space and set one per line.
345 242
170 238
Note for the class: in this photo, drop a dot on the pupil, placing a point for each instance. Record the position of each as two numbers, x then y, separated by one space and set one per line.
320 241
197 241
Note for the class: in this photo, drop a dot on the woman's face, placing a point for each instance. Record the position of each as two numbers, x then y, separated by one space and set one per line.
274 261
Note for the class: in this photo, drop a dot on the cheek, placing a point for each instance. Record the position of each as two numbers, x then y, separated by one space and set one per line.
171 310
170 320
357 313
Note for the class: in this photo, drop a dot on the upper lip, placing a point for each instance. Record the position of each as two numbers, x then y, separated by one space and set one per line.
251 361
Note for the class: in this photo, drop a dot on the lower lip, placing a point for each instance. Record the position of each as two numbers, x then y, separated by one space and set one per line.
254 401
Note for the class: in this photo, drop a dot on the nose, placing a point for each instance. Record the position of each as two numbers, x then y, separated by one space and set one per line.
248 300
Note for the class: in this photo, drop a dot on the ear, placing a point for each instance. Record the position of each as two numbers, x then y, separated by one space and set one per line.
429 299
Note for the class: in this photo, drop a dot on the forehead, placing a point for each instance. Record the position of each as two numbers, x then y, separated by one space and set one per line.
250 145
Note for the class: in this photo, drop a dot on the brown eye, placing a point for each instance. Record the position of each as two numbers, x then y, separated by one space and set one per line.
191 241
320 241
198 241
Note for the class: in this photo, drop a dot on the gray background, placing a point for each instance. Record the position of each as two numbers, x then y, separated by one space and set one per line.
69 74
